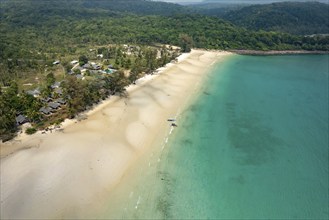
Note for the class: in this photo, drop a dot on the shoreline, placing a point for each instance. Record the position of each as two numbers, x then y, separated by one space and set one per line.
145 174
23 137
277 52
79 166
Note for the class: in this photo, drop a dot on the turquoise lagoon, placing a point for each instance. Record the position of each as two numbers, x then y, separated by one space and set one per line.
253 145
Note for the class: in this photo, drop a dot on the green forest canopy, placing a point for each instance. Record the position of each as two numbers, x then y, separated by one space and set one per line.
290 17
30 27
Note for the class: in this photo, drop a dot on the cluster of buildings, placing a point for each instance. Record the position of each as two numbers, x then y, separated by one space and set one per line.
90 68
50 104
56 101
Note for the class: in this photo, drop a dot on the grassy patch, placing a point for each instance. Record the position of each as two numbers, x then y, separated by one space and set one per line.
30 131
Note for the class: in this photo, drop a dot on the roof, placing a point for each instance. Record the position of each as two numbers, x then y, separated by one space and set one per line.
87 66
54 105
21 119
48 99
59 91
55 85
35 92
60 101
96 66
79 76
93 71
45 110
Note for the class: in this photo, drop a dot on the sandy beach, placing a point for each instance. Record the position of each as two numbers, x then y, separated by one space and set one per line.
65 173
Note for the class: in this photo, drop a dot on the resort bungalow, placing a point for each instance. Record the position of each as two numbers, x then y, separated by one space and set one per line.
96 66
60 101
45 110
79 76
55 85
21 119
58 91
48 99
54 105
86 66
92 66
36 93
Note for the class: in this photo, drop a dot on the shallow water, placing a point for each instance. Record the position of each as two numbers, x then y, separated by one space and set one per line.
253 146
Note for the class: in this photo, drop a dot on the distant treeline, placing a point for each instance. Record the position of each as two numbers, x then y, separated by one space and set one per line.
28 30
303 18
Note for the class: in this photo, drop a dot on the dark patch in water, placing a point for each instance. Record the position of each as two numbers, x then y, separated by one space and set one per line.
163 206
186 142
230 108
164 203
194 108
238 179
252 139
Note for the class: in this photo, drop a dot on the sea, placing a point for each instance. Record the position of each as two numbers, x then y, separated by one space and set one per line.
252 145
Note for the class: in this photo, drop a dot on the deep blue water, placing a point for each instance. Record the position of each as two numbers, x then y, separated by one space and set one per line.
254 145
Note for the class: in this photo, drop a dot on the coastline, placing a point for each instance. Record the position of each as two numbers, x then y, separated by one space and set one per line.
11 146
79 165
276 52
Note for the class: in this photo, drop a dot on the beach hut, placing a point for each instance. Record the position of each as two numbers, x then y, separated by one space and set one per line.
36 93
55 85
45 110
21 119
60 101
48 99
54 105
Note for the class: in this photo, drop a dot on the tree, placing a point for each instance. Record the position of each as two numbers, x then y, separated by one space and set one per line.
127 63
50 79
74 92
150 56
186 42
133 76
117 82
83 60
8 102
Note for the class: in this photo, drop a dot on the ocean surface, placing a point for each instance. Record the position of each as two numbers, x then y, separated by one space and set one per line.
254 145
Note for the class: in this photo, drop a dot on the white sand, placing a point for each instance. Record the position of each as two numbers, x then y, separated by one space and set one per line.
63 174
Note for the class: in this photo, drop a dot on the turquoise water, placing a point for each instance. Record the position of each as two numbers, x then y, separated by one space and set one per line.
254 146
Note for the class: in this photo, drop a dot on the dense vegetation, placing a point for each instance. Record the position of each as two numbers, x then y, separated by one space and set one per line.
290 17
78 94
35 33
31 27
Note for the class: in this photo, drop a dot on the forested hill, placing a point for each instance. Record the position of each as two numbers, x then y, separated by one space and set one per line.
291 17
81 7
33 28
